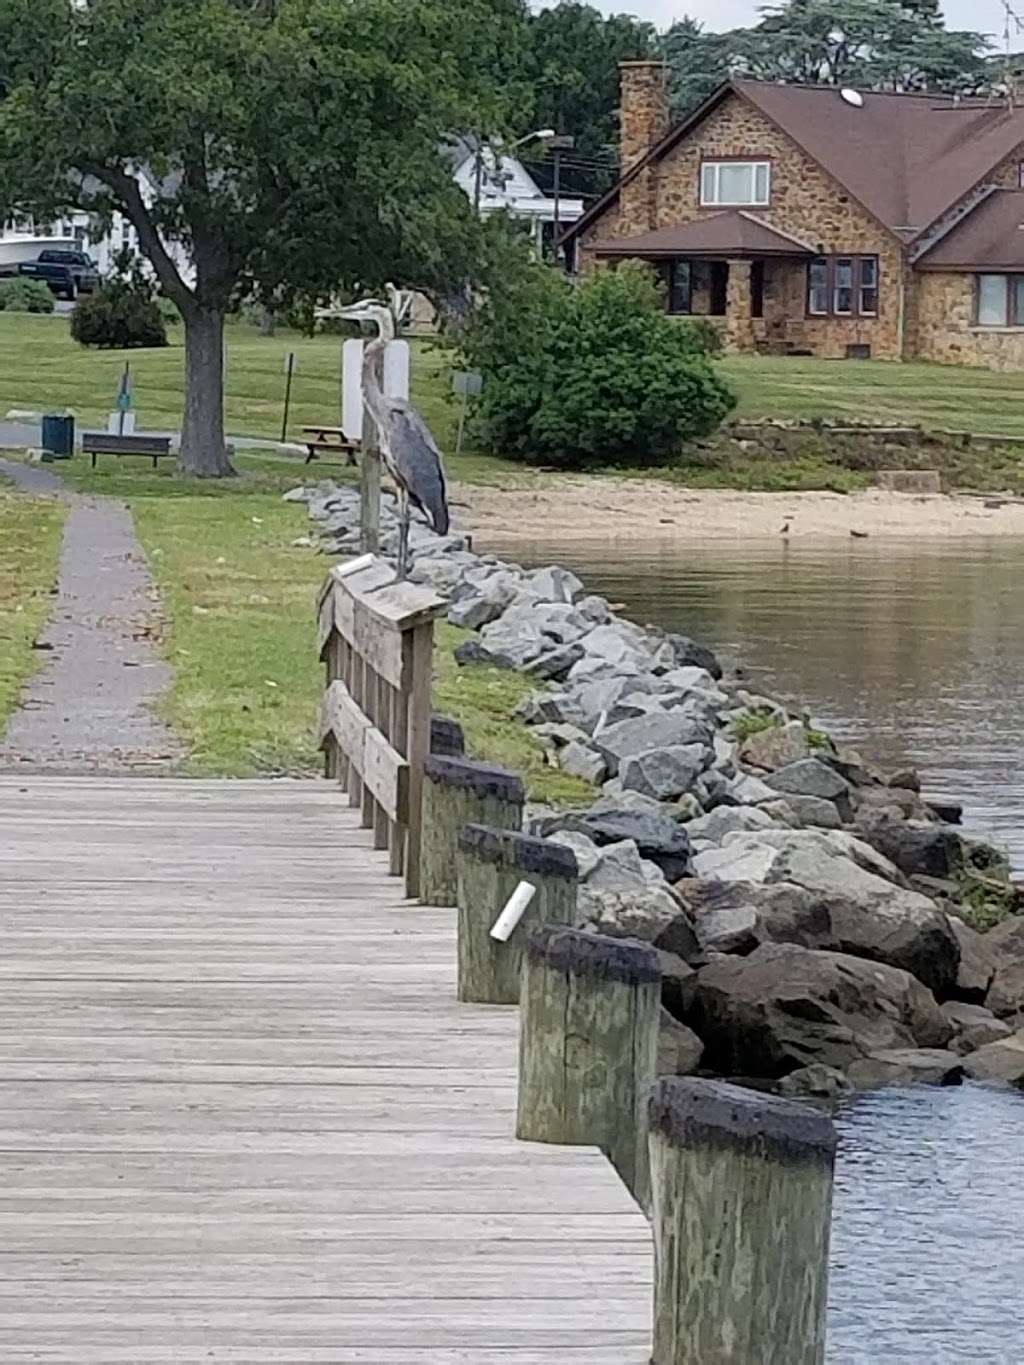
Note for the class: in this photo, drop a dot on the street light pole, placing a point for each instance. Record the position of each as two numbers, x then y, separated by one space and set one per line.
561 143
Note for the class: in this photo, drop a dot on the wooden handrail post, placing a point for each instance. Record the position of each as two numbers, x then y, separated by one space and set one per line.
459 792
376 636
588 1046
491 864
741 1188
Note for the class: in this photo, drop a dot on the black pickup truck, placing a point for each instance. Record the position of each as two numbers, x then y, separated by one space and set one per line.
68 273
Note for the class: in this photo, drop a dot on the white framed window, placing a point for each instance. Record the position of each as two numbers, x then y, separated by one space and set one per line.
735 182
1000 301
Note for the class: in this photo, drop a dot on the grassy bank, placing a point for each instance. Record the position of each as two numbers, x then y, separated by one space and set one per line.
239 597
30 536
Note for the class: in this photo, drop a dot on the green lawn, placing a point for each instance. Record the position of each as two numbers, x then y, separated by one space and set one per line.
42 368
943 396
30 532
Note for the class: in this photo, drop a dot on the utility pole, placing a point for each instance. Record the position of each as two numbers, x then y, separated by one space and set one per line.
561 143
478 174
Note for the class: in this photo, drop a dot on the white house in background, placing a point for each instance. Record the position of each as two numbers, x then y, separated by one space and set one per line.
506 185
80 228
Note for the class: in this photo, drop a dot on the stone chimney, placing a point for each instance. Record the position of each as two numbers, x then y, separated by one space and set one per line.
643 121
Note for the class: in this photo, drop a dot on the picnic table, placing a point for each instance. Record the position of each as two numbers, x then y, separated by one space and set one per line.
323 440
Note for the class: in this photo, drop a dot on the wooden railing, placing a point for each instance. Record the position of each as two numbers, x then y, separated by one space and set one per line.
376 637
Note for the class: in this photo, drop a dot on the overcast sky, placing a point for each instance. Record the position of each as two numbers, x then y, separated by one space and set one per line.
985 15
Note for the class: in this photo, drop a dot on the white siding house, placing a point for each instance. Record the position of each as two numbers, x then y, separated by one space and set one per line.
506 185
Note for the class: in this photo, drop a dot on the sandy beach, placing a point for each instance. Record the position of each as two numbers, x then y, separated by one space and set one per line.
601 509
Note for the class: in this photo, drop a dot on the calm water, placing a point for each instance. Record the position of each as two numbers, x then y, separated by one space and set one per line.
927 1254
914 654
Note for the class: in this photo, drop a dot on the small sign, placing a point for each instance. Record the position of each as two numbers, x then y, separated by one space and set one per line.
467 383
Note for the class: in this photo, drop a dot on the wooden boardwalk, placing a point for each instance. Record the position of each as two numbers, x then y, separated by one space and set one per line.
243 1118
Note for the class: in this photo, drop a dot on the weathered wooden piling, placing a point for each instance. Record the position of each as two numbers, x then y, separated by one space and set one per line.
741 1187
588 1046
459 792
491 865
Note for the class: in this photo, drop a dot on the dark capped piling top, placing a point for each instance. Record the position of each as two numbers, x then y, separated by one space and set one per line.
519 852
695 1113
446 736
580 953
479 778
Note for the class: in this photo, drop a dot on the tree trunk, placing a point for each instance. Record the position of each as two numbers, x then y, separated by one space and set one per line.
202 434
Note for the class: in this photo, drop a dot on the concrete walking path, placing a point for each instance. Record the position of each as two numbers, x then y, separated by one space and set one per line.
90 708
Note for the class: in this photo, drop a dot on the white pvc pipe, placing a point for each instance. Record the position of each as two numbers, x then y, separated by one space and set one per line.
354 566
518 904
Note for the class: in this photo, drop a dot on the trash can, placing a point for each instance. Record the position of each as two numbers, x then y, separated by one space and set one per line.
59 436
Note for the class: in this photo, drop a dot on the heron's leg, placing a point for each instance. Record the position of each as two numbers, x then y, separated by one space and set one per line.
404 512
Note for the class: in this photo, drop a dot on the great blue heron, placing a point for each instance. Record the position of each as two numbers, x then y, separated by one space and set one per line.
407 445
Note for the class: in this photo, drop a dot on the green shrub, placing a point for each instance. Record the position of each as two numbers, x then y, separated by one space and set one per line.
169 310
701 335
122 315
25 296
595 374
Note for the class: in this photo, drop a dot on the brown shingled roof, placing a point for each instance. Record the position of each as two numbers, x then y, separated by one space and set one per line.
907 159
733 232
989 238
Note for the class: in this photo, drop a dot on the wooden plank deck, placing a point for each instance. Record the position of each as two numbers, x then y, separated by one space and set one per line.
243 1118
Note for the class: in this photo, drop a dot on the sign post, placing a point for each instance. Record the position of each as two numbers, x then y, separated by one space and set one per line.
289 369
470 385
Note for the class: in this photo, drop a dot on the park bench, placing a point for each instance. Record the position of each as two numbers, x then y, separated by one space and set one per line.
329 441
105 443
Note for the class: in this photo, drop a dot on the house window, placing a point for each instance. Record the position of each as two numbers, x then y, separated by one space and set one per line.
817 288
842 287
680 287
735 182
1000 301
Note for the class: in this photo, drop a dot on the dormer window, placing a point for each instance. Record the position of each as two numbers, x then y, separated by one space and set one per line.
735 183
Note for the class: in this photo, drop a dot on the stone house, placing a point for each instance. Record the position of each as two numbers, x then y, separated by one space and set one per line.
816 221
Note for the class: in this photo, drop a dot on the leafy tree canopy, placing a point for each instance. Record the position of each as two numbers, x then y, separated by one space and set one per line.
899 45
290 146
571 64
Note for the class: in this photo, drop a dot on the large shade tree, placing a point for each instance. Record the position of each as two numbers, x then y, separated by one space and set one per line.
290 146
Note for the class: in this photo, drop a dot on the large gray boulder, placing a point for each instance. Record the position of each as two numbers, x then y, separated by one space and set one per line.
906 1066
1006 944
977 963
776 746
665 773
811 777
1001 1061
657 836
652 914
804 811
617 643
725 820
657 730
688 653
477 605
868 915
975 1026
555 584
786 1007
679 1048
579 760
